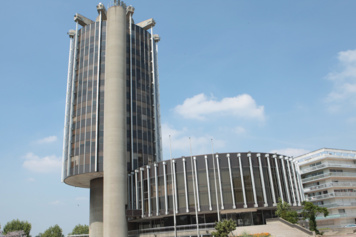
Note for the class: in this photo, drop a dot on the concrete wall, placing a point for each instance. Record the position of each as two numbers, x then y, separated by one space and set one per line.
96 208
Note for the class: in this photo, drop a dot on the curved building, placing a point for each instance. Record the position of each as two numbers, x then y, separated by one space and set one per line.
112 119
241 186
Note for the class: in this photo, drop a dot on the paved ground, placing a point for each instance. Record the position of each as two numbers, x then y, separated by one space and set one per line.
276 229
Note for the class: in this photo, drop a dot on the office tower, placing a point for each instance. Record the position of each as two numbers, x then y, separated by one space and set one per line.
112 119
328 178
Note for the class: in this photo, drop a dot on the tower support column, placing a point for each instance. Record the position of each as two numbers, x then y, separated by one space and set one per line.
115 164
96 208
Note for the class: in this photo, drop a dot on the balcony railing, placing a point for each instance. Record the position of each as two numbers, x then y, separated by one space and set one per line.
327 165
329 174
330 185
331 195
335 216
336 205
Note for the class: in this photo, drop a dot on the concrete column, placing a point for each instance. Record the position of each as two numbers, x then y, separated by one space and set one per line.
271 181
185 186
96 208
242 181
220 186
285 179
115 173
278 178
231 182
262 180
253 181
208 181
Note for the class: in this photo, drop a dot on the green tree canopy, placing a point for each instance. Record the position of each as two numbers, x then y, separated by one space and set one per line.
16 225
53 231
224 227
80 229
285 212
310 211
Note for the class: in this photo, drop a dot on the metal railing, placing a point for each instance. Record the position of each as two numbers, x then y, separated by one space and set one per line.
326 165
335 204
335 216
329 185
329 174
331 195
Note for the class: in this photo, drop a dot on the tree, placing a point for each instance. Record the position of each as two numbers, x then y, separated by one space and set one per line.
53 231
285 212
16 225
224 227
310 211
80 229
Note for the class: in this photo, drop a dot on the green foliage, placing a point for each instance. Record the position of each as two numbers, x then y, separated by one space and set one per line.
285 212
224 227
16 225
80 229
310 211
53 231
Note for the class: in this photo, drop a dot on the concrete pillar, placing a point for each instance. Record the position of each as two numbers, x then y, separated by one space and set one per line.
115 173
96 208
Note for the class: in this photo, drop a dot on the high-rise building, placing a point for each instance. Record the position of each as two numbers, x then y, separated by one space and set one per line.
112 143
112 119
328 177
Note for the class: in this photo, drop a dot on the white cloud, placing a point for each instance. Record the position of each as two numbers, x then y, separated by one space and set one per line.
82 199
30 180
46 140
290 151
56 203
344 88
180 142
239 130
46 164
200 107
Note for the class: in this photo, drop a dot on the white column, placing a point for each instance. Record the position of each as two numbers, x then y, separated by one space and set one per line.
262 180
252 181
196 181
300 184
279 178
295 181
231 182
291 182
220 186
156 184
175 185
142 191
165 188
271 180
149 190
285 179
242 181
136 186
208 181
185 186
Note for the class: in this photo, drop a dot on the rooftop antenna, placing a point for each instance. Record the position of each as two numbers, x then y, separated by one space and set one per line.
194 188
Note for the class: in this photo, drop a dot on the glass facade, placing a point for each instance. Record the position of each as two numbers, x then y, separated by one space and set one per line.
232 185
85 133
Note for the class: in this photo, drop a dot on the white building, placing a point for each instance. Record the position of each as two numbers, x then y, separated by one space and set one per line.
328 177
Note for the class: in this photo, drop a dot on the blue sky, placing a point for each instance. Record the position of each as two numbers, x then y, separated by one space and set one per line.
262 76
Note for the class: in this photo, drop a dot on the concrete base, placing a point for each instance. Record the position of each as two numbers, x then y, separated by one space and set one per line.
96 208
